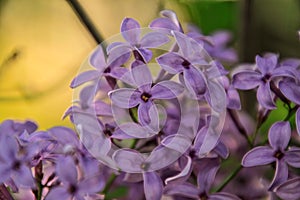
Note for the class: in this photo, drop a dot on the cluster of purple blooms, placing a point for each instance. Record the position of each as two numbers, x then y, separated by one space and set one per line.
180 134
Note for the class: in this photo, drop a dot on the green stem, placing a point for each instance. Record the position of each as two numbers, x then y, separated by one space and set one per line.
229 178
4 193
108 185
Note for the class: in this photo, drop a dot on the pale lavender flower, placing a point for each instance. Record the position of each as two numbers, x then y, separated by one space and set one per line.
266 71
169 22
144 94
135 43
289 190
207 169
73 187
279 137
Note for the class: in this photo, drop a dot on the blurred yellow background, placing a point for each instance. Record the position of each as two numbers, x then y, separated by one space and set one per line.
43 45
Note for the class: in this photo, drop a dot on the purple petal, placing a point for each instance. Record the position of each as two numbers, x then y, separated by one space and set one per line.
164 23
177 142
194 81
279 135
102 109
85 77
258 156
97 59
298 120
281 174
264 96
284 71
146 54
141 75
186 190
143 113
246 80
122 74
135 130
66 170
23 176
130 29
58 193
223 196
119 55
120 134
292 157
153 40
171 62
128 160
184 43
222 150
166 90
5 171
290 89
125 97
153 186
289 190
207 172
266 64
91 184
233 99
185 172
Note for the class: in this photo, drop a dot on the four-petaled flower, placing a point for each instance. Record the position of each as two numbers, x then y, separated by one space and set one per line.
279 137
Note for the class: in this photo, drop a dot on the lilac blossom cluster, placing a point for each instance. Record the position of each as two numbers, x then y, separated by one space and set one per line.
158 114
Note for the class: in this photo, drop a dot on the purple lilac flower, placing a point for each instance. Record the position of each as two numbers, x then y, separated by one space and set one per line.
186 62
207 169
144 94
263 76
139 45
73 186
232 95
279 137
289 190
169 22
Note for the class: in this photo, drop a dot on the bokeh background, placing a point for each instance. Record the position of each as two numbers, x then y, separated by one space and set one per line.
43 43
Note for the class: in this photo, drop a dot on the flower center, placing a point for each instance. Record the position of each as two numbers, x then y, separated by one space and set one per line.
145 165
16 165
186 64
107 70
109 129
266 78
72 189
203 196
278 154
145 97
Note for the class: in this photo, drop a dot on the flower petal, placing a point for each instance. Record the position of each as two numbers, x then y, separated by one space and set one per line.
184 190
66 170
223 196
143 113
289 190
153 186
125 97
171 62
233 99
185 172
164 24
292 157
153 40
261 155
130 29
58 193
194 81
166 90
298 120
281 174
85 77
290 89
97 59
135 130
129 160
266 64
141 75
246 80
264 96
222 150
279 135
23 177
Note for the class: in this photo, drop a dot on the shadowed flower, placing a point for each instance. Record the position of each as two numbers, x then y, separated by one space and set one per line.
279 137
289 190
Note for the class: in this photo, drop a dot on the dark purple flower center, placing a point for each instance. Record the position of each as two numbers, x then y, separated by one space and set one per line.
186 64
145 165
138 56
108 130
145 96
72 189
266 78
203 196
278 154
107 70
16 165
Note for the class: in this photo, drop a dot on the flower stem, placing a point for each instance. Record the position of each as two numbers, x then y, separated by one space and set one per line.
229 178
4 193
108 185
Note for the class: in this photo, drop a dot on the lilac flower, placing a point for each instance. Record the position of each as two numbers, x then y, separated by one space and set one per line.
289 190
169 22
15 162
186 62
131 32
73 187
145 93
262 77
232 95
111 68
207 169
279 136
